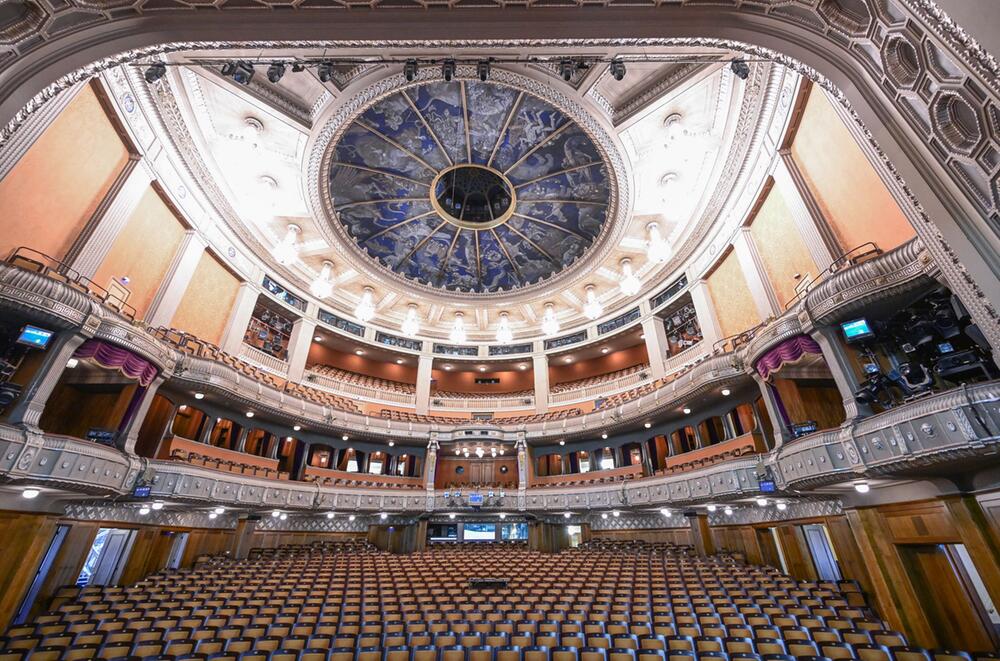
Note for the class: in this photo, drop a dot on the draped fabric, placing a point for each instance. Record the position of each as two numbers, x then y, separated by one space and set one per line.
117 358
789 351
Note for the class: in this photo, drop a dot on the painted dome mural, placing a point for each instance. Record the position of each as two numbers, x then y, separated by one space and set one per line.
469 186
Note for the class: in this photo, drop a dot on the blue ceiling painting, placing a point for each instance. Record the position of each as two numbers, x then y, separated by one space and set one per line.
401 163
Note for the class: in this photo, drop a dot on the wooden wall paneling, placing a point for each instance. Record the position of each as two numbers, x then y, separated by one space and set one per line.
148 555
922 522
849 558
26 538
897 602
950 614
980 539
68 561
796 552
768 547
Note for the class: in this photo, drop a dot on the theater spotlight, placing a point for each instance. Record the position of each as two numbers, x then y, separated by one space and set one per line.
740 69
241 71
566 68
617 69
483 69
155 72
275 71
324 72
410 70
448 69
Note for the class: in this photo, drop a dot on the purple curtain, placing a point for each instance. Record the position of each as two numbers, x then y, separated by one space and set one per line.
115 357
789 351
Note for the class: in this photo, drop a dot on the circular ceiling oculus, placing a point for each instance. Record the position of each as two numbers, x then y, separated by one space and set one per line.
468 186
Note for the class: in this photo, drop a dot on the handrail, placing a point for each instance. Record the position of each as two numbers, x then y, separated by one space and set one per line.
263 359
20 257
356 390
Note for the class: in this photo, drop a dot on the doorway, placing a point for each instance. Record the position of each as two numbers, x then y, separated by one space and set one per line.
43 571
106 557
821 550
177 551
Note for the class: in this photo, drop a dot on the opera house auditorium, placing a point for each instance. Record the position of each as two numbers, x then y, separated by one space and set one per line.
499 330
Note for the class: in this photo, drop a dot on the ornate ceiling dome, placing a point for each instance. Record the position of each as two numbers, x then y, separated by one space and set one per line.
469 186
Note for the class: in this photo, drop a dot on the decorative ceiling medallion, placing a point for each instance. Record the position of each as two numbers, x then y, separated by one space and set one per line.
468 186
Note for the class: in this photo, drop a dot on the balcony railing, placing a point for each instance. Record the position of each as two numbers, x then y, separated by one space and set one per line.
602 389
262 359
490 403
356 390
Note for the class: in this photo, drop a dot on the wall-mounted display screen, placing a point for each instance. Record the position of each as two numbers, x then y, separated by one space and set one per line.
34 336
857 330
479 532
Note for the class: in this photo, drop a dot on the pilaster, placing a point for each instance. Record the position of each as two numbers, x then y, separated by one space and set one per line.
176 280
756 276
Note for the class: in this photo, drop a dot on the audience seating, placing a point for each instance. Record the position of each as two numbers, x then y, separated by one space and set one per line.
598 380
538 417
363 380
346 601
521 394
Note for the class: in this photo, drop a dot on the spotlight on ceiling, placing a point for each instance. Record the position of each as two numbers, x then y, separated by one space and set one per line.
762 502
275 72
740 69
728 511
155 72
276 513
617 69
566 68
604 515
157 505
687 411
647 425
383 516
199 395
566 515
448 69
711 508
781 506
351 517
862 487
726 392
604 436
241 71
562 442
297 428
616 514
30 493
483 70
330 515
410 70
665 511
282 517
324 71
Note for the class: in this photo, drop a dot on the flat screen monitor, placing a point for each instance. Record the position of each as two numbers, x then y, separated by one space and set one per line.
945 347
766 486
142 492
857 330
34 336
475 499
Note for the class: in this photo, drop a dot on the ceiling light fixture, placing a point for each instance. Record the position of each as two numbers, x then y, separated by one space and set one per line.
72 363
344 437
275 72
241 71
30 493
616 513
322 286
199 395
562 442
155 72
411 324
157 505
365 308
410 68
457 333
483 70
686 410
605 350
451 515
504 334
762 502
740 69
250 414
726 392
711 508
657 249
617 69
862 487
592 308
317 338
550 325
781 506
276 513
297 428
482 368
383 516
400 361
448 69
630 283
213 515
330 515
648 425
604 436
220 510
728 511
566 515
604 515
502 515
282 517
448 368
287 251
392 444
665 512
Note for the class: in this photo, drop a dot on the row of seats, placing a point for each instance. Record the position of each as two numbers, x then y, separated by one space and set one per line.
362 480
589 479
364 380
598 380
623 397
216 463
520 394
406 416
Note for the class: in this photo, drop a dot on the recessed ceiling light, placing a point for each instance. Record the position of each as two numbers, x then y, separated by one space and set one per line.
725 392
605 350
359 352
665 512
522 366
144 510
781 506
400 361
213 515
297 428
711 508
157 505
330 515
317 339
482 369
283 516
220 510
862 487
276 513
568 359
762 502
604 515
392 444
344 437
604 435
642 336
686 410
616 514
562 442
451 515
199 395
566 515
447 367
648 425
30 493
249 414
383 516
728 511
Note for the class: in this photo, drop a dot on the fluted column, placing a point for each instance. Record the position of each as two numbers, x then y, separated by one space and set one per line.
129 433
540 363
843 372
430 469
239 318
522 470
298 347
425 366
780 430
805 211
656 345
705 310
176 280
756 276
27 411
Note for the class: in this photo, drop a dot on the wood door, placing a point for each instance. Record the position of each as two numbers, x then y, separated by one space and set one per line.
768 549
950 608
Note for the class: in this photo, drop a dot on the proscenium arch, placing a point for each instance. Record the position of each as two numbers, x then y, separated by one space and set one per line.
957 232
